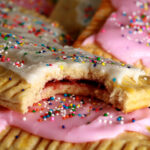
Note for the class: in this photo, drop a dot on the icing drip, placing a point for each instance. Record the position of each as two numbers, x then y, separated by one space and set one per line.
76 119
125 34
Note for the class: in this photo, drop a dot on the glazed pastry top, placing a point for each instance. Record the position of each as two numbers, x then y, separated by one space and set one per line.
32 60
20 21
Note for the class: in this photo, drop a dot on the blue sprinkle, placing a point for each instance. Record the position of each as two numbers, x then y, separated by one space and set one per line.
130 32
79 115
44 117
17 42
16 137
131 21
63 126
43 45
94 65
65 95
114 79
119 118
52 98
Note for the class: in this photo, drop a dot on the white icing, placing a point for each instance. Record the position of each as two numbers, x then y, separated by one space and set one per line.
51 31
35 66
37 54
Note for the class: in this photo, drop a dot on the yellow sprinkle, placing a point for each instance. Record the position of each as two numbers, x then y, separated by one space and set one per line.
78 105
61 67
145 6
60 38
29 27
122 64
21 44
64 99
39 104
148 128
60 106
140 30
1 45
103 64
83 62
147 44
71 105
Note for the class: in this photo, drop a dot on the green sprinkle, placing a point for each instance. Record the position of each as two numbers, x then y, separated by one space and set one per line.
73 114
105 114
98 58
6 48
25 53
5 38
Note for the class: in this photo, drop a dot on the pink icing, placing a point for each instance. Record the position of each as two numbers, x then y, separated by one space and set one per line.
92 121
126 33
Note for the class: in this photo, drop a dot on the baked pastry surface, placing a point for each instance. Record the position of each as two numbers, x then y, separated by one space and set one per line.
15 139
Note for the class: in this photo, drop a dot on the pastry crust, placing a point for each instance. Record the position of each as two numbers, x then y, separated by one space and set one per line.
18 94
96 23
74 16
15 139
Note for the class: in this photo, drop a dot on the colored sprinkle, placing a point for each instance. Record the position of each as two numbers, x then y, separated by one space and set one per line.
98 58
63 126
65 95
120 118
105 114
133 120
17 136
52 98
114 79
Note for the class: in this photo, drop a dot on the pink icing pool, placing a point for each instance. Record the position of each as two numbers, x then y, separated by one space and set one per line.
76 119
